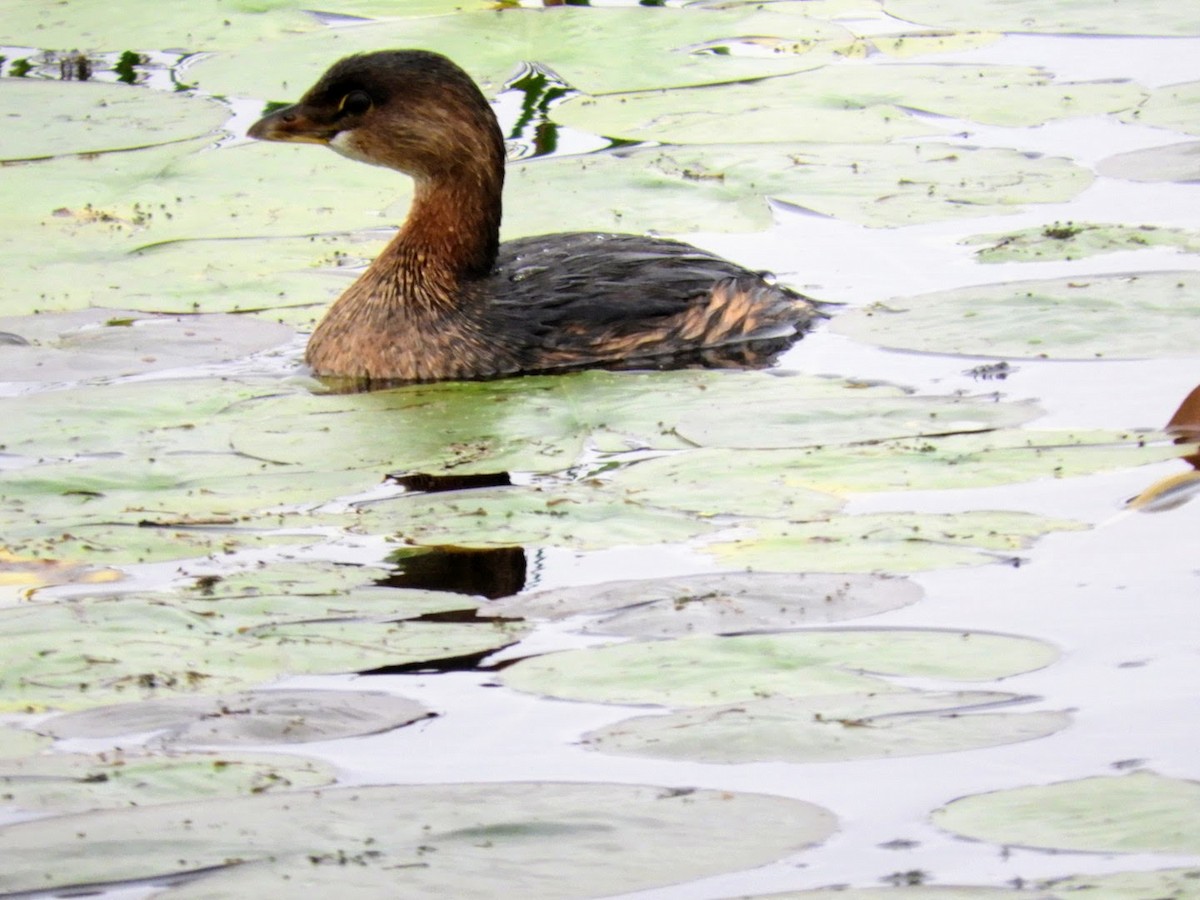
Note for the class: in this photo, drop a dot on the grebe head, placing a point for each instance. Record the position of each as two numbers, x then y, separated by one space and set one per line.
409 110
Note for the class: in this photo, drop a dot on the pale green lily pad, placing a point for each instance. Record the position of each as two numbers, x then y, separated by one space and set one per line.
1174 162
1150 314
1076 241
287 280
581 516
56 118
1176 107
855 417
66 783
459 840
828 729
779 481
888 542
200 25
1157 815
97 343
846 104
17 742
1169 884
922 43
727 603
80 654
1163 884
313 589
575 43
703 671
248 718
681 189
1051 16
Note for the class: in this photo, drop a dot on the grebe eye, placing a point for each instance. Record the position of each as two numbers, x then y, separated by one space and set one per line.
355 103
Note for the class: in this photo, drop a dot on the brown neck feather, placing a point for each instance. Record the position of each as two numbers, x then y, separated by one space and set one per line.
451 235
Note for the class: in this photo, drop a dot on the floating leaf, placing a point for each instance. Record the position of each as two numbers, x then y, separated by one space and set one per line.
1174 107
845 104
721 186
1111 316
16 743
734 602
827 729
57 118
64 783
702 671
459 840
887 542
1158 815
80 654
1050 16
781 481
252 717
92 343
200 25
1077 241
576 43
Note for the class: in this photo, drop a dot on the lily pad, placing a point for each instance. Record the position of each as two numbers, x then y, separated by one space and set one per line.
681 189
87 653
1113 316
1158 815
252 717
827 729
786 477
846 104
888 542
64 783
17 742
673 47
703 671
1174 163
582 516
92 343
1077 241
728 603
202 25
1050 16
56 118
459 840
1175 107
